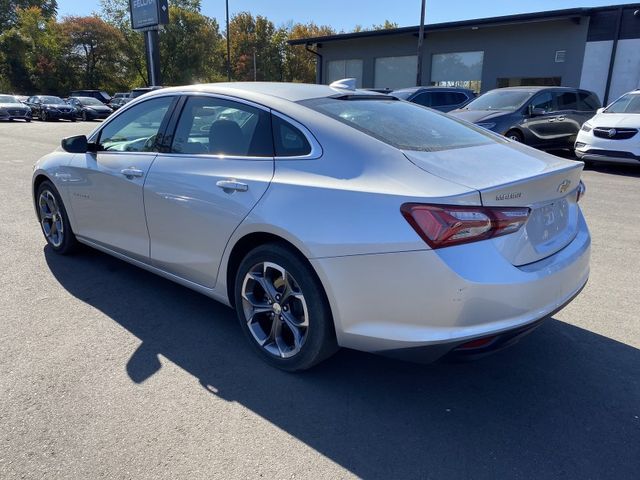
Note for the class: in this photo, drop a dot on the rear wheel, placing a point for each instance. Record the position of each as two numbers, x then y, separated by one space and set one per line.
84 116
43 116
514 135
282 308
54 220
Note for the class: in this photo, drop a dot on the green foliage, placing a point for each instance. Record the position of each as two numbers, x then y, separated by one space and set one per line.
9 10
40 54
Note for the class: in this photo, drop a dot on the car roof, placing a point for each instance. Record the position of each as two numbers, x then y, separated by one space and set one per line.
444 89
293 92
537 88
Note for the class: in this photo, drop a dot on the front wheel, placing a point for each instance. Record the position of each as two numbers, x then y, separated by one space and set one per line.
43 116
54 220
282 308
84 116
514 135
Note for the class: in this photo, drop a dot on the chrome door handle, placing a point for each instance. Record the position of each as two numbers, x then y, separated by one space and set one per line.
232 186
131 172
560 119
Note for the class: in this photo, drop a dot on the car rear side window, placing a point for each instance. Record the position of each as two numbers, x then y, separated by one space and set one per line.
588 101
403 125
216 126
288 140
567 101
423 99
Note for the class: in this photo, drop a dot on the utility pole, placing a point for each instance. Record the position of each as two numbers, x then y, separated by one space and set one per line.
420 41
255 70
228 46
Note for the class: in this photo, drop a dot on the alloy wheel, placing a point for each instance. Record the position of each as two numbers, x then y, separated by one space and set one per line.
275 309
51 218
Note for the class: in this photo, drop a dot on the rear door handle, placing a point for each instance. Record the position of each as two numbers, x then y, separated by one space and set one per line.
232 186
131 172
560 119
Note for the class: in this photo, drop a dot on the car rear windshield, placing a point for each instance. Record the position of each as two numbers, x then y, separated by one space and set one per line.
52 100
401 124
500 100
8 99
90 101
628 103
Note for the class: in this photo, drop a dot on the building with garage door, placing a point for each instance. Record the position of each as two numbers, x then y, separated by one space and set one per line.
596 49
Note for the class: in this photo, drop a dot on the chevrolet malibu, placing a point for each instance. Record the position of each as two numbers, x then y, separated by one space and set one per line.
326 216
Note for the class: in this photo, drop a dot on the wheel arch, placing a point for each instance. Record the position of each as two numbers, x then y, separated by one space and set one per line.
37 181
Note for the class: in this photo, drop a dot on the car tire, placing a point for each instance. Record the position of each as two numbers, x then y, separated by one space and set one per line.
515 136
84 116
54 220
43 116
283 309
73 119
28 120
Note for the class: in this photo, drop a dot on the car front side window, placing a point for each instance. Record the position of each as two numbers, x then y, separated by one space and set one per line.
544 102
136 129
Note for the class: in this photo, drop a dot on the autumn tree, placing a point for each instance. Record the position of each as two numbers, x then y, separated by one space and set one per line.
299 64
9 10
94 52
191 48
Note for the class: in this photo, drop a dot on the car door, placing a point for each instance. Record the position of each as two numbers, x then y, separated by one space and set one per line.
105 186
217 167
539 117
34 105
569 119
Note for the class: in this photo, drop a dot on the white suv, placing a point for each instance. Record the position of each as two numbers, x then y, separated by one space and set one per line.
612 135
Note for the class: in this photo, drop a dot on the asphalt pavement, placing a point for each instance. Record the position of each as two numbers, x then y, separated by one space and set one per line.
107 371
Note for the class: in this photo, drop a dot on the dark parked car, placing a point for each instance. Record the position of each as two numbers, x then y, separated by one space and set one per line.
444 99
47 107
11 109
118 100
101 95
136 92
543 117
88 108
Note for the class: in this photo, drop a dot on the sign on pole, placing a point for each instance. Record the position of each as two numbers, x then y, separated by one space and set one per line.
147 14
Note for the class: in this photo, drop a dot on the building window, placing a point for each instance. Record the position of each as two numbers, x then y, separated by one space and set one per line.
339 69
529 82
458 69
396 72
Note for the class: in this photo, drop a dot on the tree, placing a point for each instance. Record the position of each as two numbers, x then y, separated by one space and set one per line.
9 10
300 65
255 38
191 48
94 52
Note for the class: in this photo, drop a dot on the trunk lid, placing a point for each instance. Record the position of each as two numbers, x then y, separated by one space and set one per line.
512 175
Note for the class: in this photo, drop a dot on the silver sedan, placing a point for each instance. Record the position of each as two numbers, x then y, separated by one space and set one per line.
327 216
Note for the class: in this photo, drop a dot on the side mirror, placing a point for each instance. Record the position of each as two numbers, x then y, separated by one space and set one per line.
75 144
536 112
600 110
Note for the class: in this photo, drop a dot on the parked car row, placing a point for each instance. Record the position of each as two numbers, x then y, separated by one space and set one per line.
84 105
547 118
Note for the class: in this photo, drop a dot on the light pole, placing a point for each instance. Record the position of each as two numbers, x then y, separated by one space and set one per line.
420 40
228 45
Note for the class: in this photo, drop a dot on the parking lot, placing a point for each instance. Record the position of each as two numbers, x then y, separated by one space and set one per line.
107 371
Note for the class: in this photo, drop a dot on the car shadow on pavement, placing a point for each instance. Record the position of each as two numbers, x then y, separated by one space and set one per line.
613 169
564 402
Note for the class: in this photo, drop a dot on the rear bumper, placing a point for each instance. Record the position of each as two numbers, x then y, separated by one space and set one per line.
424 304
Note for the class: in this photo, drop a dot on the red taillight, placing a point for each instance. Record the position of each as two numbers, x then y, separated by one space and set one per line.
446 225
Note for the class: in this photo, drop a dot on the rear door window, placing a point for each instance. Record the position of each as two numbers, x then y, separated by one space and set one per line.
567 100
216 126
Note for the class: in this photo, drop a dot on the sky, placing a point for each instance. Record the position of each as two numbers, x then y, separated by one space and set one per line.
345 14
